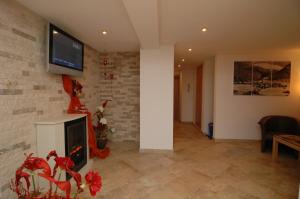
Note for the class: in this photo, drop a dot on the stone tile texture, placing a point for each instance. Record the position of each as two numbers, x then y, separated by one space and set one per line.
198 168
123 111
28 93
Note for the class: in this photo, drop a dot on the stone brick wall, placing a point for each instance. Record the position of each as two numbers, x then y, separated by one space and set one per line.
123 111
28 93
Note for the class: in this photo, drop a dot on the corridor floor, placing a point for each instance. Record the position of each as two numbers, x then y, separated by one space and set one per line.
198 168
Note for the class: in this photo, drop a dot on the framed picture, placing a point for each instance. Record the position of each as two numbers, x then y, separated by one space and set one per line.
267 78
242 83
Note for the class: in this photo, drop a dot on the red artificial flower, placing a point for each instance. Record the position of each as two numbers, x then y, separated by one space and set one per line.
94 182
62 185
52 154
64 163
77 177
19 175
35 163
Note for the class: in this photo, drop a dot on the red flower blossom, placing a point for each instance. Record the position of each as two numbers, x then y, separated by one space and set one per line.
19 175
93 179
52 154
64 163
35 163
94 182
77 178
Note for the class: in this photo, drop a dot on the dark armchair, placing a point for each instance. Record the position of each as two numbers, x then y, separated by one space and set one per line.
276 125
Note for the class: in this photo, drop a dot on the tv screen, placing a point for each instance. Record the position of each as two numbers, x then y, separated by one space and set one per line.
64 51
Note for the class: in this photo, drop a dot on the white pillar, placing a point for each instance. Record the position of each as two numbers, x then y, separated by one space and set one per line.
207 94
156 98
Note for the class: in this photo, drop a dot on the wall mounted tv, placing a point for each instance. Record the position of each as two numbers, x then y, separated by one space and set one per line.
65 52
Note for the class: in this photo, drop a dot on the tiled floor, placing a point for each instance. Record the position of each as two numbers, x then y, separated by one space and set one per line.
198 168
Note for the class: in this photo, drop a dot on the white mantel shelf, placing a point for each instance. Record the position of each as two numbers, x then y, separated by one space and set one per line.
60 119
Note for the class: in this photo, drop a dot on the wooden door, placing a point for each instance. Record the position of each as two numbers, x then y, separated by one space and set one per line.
198 96
176 98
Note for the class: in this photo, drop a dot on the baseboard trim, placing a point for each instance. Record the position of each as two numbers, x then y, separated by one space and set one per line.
236 140
156 150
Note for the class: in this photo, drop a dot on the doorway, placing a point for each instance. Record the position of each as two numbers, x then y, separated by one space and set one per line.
177 98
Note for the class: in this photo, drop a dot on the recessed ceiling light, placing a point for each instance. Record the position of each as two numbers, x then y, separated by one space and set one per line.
204 29
182 60
104 32
190 49
178 65
55 32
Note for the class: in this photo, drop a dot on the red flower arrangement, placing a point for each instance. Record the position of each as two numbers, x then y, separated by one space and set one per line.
35 166
101 129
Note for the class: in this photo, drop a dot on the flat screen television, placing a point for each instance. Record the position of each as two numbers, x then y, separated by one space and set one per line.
65 52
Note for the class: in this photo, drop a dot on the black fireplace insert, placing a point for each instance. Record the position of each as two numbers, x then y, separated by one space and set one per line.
75 143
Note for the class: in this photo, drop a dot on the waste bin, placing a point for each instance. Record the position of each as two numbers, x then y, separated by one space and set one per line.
210 130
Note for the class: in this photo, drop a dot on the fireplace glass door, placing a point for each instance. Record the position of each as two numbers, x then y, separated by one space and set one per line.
75 142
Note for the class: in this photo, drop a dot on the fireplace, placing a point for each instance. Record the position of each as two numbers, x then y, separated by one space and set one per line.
67 134
75 143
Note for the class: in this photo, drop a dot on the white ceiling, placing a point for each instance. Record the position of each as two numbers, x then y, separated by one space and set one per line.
144 15
234 26
85 19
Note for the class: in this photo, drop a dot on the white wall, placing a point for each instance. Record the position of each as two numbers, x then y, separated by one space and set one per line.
207 94
187 94
236 117
156 98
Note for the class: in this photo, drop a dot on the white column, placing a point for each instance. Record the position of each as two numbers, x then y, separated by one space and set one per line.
207 94
156 98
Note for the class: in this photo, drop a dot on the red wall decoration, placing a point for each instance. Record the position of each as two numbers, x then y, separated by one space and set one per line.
73 88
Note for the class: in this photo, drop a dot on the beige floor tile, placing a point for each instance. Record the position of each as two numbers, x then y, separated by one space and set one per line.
198 168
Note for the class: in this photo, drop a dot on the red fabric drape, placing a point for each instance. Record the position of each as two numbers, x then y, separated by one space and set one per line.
75 107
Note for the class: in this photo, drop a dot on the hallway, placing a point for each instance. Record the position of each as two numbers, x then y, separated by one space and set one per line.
198 168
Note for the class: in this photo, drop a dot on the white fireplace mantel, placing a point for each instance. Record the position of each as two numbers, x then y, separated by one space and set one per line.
51 136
